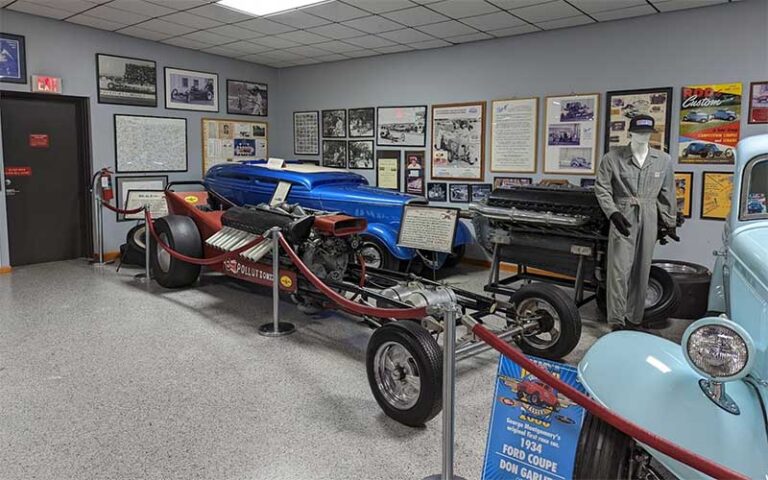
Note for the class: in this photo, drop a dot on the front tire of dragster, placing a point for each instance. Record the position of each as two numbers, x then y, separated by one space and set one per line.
417 355
561 321
181 234
602 452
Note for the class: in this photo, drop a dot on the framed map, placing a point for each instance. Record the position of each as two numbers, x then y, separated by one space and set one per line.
150 144
227 141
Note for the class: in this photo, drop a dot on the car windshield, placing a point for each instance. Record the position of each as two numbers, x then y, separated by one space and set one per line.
754 190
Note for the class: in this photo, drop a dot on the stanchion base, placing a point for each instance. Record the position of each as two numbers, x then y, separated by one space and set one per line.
283 328
439 476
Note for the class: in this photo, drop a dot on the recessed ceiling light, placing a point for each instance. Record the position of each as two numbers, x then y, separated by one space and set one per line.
260 8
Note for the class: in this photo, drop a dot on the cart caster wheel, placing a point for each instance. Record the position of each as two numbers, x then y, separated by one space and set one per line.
404 366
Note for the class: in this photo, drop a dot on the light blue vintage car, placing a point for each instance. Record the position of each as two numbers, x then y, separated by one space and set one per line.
711 395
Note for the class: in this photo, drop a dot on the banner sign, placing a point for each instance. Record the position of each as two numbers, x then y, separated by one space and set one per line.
534 430
710 122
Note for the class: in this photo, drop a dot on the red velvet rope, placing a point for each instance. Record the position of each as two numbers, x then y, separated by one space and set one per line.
120 210
653 441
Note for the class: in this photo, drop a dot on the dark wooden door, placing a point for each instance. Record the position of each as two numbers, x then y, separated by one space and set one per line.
45 178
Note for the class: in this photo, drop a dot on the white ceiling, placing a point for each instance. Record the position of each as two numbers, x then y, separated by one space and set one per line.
338 29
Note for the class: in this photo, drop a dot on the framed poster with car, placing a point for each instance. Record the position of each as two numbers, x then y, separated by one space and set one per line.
228 141
335 123
246 98
388 169
306 133
571 134
716 192
134 192
335 153
414 172
126 81
623 105
13 60
458 193
401 126
150 144
360 154
362 122
191 90
514 135
510 182
758 102
710 123
458 141
684 192
437 192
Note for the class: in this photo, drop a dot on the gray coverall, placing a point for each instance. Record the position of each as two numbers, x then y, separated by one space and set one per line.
643 195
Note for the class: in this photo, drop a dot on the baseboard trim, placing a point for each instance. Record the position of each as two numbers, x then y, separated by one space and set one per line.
5 269
108 256
512 268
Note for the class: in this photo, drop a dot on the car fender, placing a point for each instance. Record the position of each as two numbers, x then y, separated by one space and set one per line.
388 236
463 235
647 380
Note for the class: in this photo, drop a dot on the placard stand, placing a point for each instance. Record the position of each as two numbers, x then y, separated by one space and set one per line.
98 222
147 275
276 328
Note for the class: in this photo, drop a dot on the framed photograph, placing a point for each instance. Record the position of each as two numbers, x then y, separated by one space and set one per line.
710 123
191 90
587 183
228 141
388 169
514 135
458 193
414 172
335 123
335 153
126 81
306 133
13 58
716 192
479 191
458 140
437 192
509 182
150 144
684 192
125 185
622 105
360 154
571 134
758 102
401 126
361 122
246 98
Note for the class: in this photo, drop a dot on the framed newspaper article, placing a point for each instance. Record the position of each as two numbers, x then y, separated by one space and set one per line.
458 141
570 146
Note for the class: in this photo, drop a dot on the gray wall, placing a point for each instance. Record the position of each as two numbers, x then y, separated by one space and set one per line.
717 44
69 51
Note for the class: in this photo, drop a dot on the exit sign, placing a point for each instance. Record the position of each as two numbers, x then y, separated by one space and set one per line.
46 84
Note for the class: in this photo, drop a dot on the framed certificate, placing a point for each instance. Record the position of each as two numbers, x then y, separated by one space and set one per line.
388 169
514 135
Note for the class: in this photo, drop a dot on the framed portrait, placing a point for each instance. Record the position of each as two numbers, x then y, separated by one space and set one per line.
13 61
758 102
126 81
510 182
710 123
150 144
246 98
335 153
388 169
571 134
716 192
191 90
458 192
622 105
458 141
437 192
479 191
361 122
684 192
414 172
401 126
360 154
306 133
514 135
124 186
229 141
335 123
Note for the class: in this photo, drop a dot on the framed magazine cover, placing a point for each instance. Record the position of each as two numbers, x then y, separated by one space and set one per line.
458 141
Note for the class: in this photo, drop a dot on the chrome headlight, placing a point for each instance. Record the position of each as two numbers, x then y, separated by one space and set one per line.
718 349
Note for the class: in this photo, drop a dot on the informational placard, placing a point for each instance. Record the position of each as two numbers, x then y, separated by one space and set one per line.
138 198
514 127
710 123
428 228
227 141
125 185
534 430
281 194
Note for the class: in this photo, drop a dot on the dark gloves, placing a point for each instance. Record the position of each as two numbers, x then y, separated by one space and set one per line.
664 232
621 223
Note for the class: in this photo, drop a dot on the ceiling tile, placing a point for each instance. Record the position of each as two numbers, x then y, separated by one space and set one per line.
565 22
186 43
493 21
381 6
337 46
430 44
413 17
247 47
235 32
95 22
275 42
508 32
282 55
298 19
180 4
425 2
546 11
207 37
394 49
593 6
110 14
370 41
462 8
472 37
254 59
671 5
141 7
334 57
303 37
336 31
623 13
143 33
335 11
512 4
406 35
361 53
36 9
195 21
72 6
307 51
264 26
306 61
221 14
161 26
373 24
451 28
219 50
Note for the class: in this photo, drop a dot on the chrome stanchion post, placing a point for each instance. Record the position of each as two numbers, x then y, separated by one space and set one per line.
147 242
101 232
276 328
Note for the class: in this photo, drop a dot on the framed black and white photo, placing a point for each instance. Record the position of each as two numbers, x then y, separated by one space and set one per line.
360 154
361 122
125 185
126 81
247 98
191 90
335 123
335 153
458 192
402 126
458 141
13 58
150 144
388 169
437 192
306 133
570 146
480 191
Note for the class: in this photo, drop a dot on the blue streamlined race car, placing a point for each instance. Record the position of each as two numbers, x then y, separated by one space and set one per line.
329 189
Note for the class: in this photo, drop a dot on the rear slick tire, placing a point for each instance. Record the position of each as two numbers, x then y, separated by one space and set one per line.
603 452
181 234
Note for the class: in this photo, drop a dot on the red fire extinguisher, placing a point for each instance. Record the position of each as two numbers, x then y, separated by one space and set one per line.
105 184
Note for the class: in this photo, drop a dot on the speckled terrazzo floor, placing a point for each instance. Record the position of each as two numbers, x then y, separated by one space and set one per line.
102 378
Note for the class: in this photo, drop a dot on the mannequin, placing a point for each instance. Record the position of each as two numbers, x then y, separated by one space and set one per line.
635 189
